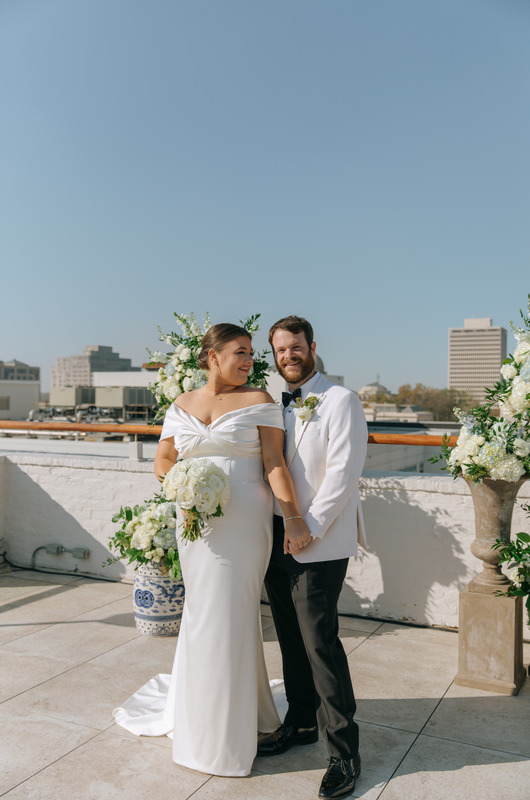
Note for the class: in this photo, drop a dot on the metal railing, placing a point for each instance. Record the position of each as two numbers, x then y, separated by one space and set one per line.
414 439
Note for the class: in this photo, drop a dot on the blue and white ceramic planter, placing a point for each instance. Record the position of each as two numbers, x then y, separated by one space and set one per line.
158 601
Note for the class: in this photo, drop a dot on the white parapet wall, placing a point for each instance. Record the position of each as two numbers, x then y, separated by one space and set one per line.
419 530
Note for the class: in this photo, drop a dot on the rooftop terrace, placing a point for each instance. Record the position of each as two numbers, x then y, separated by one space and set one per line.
70 653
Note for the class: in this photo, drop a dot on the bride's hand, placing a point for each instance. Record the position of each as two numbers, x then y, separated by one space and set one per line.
296 536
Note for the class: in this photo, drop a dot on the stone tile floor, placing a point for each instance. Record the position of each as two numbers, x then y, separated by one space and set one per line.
69 653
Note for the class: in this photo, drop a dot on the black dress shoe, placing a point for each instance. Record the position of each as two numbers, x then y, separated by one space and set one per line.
340 777
285 737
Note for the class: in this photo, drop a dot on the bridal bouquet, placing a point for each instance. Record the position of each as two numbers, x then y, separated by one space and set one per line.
178 370
201 490
147 535
497 447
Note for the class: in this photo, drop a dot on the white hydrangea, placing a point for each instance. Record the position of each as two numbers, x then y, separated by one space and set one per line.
517 401
509 469
521 447
522 351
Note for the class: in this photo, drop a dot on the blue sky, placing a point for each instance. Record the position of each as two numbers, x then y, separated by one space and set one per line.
364 163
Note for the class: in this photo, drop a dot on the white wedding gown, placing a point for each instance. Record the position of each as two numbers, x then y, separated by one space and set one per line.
217 697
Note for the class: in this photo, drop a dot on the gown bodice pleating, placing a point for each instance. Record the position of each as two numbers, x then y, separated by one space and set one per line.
218 697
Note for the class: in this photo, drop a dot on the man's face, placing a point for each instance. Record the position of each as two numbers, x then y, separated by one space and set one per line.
294 358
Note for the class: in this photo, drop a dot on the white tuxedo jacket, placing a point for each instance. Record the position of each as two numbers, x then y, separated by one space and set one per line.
325 457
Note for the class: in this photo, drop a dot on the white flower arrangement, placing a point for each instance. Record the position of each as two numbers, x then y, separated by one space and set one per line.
147 535
179 371
201 490
497 447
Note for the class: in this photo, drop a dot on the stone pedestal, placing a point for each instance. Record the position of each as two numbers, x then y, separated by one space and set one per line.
490 642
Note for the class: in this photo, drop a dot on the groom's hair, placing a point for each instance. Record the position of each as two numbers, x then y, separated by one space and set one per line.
293 325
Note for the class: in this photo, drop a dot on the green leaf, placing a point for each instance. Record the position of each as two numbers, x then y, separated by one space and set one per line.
523 537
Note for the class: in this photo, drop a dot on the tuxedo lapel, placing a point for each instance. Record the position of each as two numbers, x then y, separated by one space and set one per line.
300 428
293 440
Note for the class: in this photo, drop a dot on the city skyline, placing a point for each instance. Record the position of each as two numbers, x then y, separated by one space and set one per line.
363 165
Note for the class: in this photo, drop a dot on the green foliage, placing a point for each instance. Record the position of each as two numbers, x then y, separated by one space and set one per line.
516 554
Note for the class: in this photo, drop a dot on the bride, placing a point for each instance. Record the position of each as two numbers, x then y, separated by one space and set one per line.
217 697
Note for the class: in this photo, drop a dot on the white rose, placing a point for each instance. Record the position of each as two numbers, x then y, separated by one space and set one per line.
173 481
470 448
508 371
516 577
187 384
185 497
206 501
215 482
185 354
304 414
463 436
200 468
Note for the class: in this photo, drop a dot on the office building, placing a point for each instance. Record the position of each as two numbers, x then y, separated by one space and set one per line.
77 370
476 353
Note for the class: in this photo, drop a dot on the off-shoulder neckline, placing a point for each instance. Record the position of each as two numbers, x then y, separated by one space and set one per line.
233 411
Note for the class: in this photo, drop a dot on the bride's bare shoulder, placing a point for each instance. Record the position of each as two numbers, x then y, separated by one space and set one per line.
187 399
258 396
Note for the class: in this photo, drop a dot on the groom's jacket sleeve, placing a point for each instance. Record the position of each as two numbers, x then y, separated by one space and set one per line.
346 453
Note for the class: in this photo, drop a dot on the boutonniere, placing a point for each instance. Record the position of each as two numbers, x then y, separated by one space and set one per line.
306 408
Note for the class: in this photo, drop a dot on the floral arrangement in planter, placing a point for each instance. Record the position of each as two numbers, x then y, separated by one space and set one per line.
178 370
497 447
516 555
147 535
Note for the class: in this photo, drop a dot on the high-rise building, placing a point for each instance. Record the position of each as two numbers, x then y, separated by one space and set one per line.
77 370
476 353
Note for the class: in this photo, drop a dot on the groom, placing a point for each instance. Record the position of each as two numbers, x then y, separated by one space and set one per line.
326 438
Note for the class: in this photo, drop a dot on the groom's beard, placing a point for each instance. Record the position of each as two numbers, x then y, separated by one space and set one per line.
297 372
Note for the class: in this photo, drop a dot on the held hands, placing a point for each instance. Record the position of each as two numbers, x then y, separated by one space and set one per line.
296 536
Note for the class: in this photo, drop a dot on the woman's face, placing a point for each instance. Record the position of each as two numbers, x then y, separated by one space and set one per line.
234 361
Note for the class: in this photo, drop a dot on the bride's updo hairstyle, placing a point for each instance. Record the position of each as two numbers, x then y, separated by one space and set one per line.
218 337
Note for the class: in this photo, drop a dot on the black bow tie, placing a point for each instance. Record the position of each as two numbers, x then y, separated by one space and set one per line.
287 398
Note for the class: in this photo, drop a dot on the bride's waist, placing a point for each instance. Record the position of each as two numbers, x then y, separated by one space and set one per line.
240 470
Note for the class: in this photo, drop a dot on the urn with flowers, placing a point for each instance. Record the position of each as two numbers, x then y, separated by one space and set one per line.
147 538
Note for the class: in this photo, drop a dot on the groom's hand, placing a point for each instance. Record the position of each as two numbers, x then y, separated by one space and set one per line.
296 536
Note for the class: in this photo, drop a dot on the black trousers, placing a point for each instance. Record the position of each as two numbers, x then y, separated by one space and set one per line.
303 599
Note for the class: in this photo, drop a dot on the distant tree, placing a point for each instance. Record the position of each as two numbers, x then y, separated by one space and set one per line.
381 397
440 402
